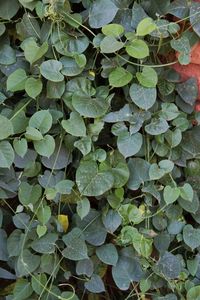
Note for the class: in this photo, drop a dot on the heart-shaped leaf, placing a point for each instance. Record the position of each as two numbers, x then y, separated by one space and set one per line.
110 44
20 146
91 181
6 127
76 246
95 284
89 107
33 87
6 154
108 254
128 144
186 192
146 26
138 49
32 51
191 236
157 126
148 78
120 77
50 70
155 172
113 30
16 81
46 146
143 97
74 125
171 194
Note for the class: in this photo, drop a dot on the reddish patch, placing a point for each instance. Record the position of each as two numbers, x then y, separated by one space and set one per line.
191 70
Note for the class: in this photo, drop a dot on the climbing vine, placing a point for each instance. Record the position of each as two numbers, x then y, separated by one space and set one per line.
99 149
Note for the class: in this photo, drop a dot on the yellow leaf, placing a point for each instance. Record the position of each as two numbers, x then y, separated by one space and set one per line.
64 222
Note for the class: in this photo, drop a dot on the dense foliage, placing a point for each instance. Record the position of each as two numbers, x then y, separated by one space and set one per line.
99 150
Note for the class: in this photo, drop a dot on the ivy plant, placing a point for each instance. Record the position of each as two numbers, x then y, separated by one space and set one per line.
99 150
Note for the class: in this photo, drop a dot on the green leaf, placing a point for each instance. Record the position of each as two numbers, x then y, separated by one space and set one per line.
45 244
138 49
193 293
113 29
121 174
32 51
6 127
179 9
7 55
22 290
74 125
16 81
143 97
110 44
139 172
64 186
8 9
76 246
146 26
41 230
38 282
127 270
44 214
171 194
107 254
169 266
101 13
89 107
188 90
55 90
20 146
3 243
68 295
41 120
46 146
169 111
148 78
145 285
119 77
84 145
112 220
93 228
186 192
85 267
95 284
74 20
6 154
166 165
192 265
189 206
155 172
70 66
29 193
128 144
194 17
27 263
33 87
91 181
83 207
191 236
50 70
14 243
157 126
33 134
182 45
